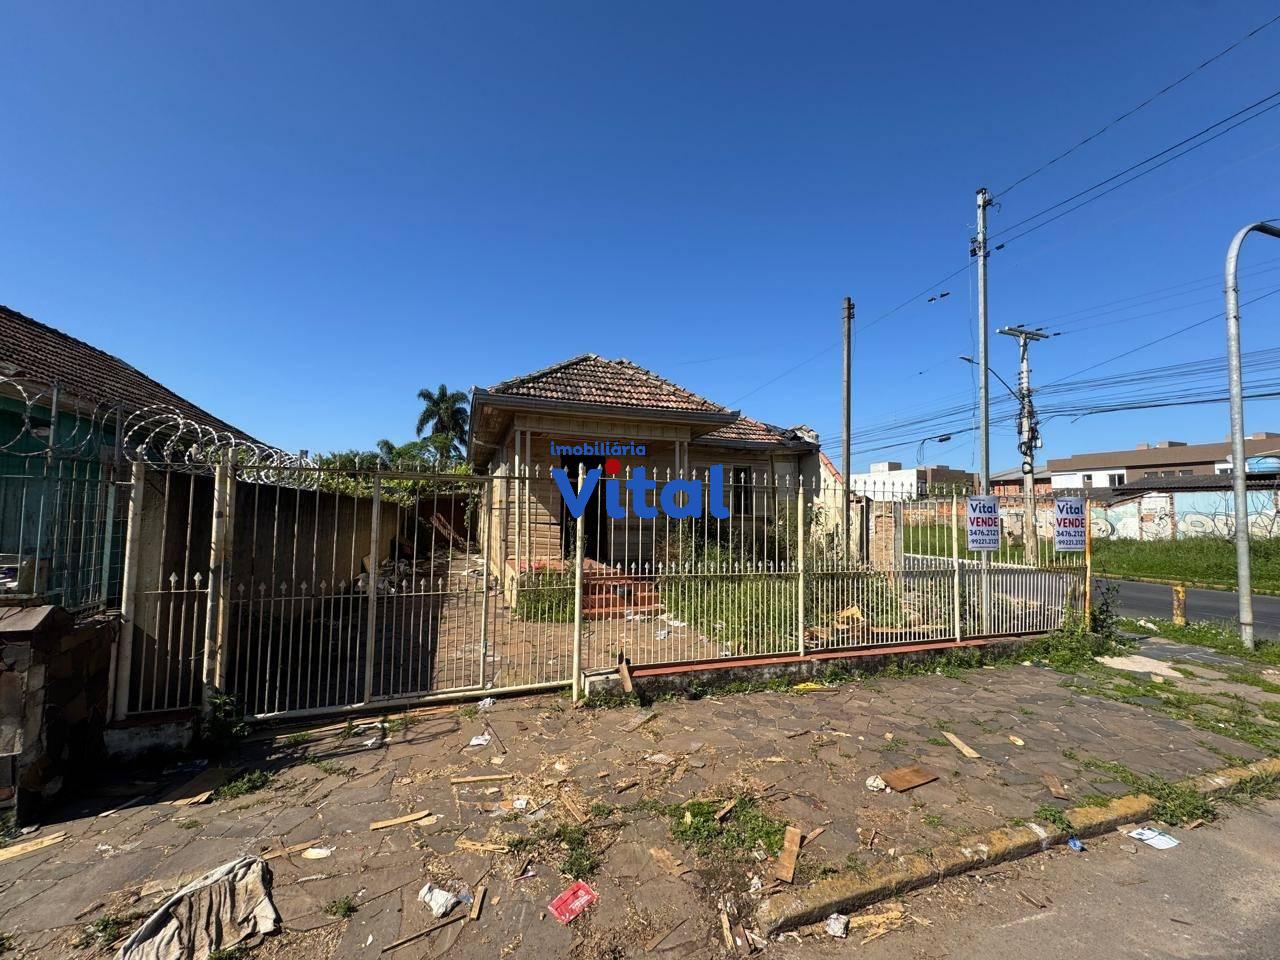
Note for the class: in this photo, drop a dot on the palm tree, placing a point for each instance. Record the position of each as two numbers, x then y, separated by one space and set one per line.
445 412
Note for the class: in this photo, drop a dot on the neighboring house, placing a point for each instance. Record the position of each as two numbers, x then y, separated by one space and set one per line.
1161 508
1008 483
1168 458
94 389
589 399
889 480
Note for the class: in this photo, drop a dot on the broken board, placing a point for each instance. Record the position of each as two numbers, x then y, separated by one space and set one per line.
908 778
199 788
786 869
960 745
396 821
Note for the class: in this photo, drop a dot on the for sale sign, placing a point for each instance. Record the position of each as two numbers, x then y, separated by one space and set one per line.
983 523
1069 524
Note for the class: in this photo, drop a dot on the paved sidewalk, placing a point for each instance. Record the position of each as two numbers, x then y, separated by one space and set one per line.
792 757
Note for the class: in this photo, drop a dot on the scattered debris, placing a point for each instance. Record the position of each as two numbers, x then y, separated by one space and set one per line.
724 811
317 853
625 785
1075 844
396 821
575 811
486 703
908 778
661 759
812 835
624 674
668 862
569 905
1139 664
837 925
462 843
1017 741
438 900
199 788
413 937
1031 900
480 740
221 909
1195 824
786 868
960 745
876 783
1154 838
487 778
477 904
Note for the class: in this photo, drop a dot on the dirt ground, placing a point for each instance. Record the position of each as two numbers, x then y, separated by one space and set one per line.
626 797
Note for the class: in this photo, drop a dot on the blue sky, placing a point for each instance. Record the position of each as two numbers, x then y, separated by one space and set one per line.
298 214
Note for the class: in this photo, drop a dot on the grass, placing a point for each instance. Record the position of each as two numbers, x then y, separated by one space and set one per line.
1055 816
342 907
469 712
577 859
244 784
229 953
1175 804
331 768
297 739
931 820
189 824
747 827
1215 636
1208 560
400 723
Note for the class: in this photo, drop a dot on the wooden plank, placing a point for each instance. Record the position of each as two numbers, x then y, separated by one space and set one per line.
462 843
478 903
813 835
625 785
908 778
413 937
786 869
624 671
1055 786
724 811
13 851
574 810
396 821
199 788
289 850
490 778
653 944
960 745
668 862
636 722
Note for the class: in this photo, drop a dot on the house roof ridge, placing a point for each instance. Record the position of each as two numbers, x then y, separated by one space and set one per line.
550 368
672 385
18 314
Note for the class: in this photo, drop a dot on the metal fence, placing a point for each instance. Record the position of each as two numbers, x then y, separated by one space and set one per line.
302 589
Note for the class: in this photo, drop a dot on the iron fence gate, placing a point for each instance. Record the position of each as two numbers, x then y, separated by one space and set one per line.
298 589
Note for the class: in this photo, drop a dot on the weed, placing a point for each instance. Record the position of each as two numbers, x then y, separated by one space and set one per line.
1055 816
1215 636
297 739
1095 800
469 712
244 784
578 861
931 820
1175 804
746 827
400 723
223 726
854 865
108 929
342 907
601 810
229 953
331 768
1260 786
189 824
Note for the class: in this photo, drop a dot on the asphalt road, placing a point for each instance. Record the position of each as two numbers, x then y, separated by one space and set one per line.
1156 600
1213 895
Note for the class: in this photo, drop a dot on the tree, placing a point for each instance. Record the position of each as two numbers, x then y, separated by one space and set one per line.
445 412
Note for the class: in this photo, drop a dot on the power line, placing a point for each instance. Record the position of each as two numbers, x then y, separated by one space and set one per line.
1141 163
1145 103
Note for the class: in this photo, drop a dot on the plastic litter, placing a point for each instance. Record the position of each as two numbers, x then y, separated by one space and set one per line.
838 925
569 905
480 741
438 900
1075 844
316 853
1154 838
486 703
876 783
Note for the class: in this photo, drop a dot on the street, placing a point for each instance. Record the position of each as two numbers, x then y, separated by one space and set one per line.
1136 599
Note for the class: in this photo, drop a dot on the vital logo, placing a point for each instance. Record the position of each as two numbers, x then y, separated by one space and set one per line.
640 486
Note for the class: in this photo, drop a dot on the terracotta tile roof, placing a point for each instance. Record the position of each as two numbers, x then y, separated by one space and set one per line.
34 350
616 383
747 430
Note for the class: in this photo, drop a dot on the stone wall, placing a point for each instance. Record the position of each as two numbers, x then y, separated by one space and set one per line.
54 702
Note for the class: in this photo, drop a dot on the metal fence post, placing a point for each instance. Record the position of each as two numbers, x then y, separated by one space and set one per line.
375 547
579 547
800 578
955 566
217 621
129 590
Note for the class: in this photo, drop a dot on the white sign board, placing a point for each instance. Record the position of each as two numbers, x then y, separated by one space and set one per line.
982 520
1069 524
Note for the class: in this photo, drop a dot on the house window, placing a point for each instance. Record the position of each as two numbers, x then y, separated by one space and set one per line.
1223 471
1115 479
742 490
1185 473
1149 474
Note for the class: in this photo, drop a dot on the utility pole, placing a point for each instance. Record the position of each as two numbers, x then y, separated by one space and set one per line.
1029 436
848 401
979 250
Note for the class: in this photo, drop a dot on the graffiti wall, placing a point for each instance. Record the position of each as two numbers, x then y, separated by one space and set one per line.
1163 516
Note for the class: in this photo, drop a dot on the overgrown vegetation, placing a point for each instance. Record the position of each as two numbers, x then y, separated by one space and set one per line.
1175 804
108 929
1202 559
1055 816
331 768
222 729
577 859
545 596
244 784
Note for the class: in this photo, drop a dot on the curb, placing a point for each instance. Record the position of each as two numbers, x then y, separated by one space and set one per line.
847 892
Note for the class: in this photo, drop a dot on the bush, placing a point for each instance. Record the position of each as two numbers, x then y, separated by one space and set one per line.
545 597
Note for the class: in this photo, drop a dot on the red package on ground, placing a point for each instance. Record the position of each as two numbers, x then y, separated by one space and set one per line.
572 902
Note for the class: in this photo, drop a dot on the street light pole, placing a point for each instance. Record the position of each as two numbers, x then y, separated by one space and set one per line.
1239 463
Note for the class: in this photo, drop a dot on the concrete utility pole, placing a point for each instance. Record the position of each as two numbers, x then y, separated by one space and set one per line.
848 402
1029 438
1239 462
979 250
